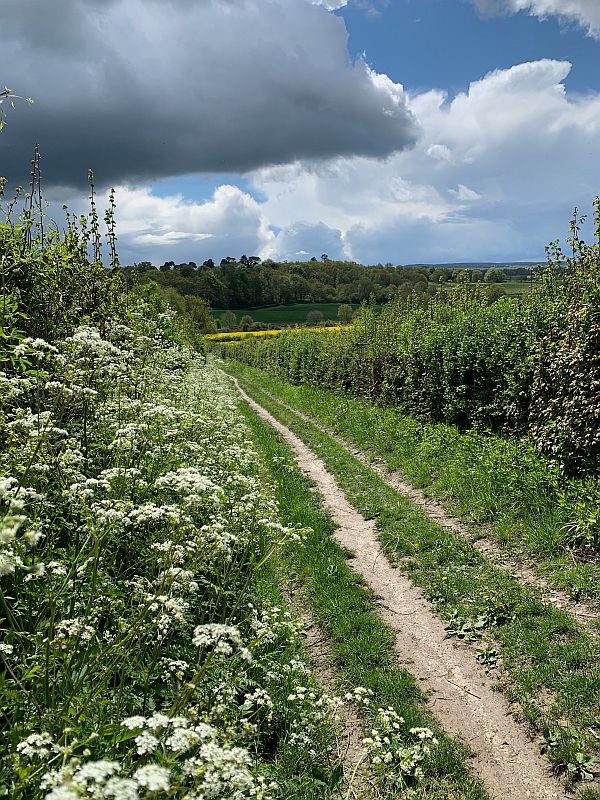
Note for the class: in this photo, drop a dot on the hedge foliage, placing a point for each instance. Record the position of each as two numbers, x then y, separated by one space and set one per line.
528 367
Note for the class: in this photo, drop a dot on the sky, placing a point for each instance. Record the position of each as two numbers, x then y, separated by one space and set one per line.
379 131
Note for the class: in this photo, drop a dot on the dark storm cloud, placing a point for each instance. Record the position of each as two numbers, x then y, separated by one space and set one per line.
139 89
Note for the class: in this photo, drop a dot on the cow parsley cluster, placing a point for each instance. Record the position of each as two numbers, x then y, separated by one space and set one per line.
137 661
398 754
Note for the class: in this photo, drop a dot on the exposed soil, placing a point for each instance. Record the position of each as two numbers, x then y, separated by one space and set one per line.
585 614
460 694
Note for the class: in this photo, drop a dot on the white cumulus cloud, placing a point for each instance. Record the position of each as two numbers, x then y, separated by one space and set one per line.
158 229
584 12
495 175
330 5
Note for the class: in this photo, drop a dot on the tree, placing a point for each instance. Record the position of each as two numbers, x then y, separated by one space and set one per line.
494 292
314 317
142 266
476 276
246 322
347 293
324 257
366 289
462 276
345 313
172 297
439 275
494 275
228 320
209 263
199 311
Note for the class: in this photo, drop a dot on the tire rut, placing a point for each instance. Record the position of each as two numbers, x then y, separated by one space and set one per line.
585 614
460 694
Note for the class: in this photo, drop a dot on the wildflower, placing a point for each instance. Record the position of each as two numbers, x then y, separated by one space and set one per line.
120 789
7 564
182 739
63 793
33 536
153 778
38 745
157 721
96 771
225 639
134 722
146 743
75 628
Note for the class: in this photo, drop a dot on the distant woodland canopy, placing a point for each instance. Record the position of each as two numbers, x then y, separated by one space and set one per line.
249 282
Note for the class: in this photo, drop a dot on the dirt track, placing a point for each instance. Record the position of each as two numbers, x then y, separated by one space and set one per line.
585 614
461 696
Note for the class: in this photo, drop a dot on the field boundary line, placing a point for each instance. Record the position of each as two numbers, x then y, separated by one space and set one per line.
462 696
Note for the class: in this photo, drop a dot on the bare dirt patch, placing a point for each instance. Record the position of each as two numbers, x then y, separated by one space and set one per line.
459 692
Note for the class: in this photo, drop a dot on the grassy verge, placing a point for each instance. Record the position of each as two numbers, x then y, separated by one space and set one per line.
303 772
545 663
500 485
344 607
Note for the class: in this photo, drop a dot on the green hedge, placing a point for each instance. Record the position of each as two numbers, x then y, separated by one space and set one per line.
528 367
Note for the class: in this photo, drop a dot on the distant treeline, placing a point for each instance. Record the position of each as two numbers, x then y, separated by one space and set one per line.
249 282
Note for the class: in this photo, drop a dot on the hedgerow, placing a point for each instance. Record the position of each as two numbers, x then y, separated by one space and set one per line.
529 367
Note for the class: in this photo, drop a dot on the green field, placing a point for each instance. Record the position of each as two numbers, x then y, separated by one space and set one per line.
296 313
516 288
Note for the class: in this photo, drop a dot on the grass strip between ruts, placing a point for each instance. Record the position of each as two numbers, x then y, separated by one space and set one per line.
550 667
339 601
488 481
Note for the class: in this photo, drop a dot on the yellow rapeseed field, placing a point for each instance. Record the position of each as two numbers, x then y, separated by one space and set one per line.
240 334
233 336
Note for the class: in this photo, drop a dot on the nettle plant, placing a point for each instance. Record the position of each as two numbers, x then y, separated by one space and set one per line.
57 278
8 97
